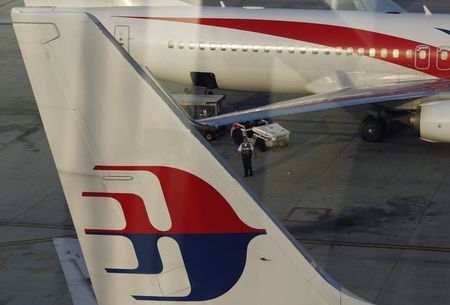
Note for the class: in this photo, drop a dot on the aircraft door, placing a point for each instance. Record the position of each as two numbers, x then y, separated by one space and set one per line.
122 35
443 58
422 57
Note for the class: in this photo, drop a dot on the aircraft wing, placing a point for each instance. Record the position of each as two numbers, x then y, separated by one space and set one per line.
343 98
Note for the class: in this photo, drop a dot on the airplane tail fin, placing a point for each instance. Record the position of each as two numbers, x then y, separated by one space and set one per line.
107 3
158 214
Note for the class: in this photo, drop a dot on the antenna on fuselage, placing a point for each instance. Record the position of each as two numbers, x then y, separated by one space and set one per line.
222 4
427 11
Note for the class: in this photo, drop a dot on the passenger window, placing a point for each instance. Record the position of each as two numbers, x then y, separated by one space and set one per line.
202 46
212 46
315 51
181 45
396 53
267 49
372 52
279 49
223 47
326 51
170 44
361 51
192 45
444 55
338 51
409 54
384 53
245 48
423 54
234 47
349 51
256 48
291 50
302 50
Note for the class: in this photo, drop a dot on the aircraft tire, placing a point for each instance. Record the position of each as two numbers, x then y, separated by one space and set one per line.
261 144
372 129
237 136
209 136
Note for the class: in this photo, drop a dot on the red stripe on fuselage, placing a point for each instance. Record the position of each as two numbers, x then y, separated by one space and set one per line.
326 35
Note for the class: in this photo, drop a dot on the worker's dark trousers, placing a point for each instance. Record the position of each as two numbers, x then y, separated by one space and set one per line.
247 162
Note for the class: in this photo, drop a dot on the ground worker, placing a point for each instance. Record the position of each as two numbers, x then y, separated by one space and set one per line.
246 151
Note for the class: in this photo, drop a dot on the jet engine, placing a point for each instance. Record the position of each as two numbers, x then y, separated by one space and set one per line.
433 121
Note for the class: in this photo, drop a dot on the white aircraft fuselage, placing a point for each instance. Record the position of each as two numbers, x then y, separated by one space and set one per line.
283 50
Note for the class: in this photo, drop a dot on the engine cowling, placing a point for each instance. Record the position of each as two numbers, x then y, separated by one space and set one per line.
433 121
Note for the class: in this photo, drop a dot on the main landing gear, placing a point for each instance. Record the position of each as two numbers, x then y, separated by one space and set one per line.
372 128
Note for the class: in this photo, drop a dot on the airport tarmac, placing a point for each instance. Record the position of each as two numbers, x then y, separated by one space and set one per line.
375 216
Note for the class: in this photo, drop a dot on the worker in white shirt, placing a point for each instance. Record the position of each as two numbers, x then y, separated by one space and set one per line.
246 150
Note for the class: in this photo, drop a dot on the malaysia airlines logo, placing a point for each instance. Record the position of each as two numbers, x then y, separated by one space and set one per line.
213 240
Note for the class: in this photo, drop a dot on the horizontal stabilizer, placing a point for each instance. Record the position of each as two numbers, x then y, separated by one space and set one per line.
75 271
